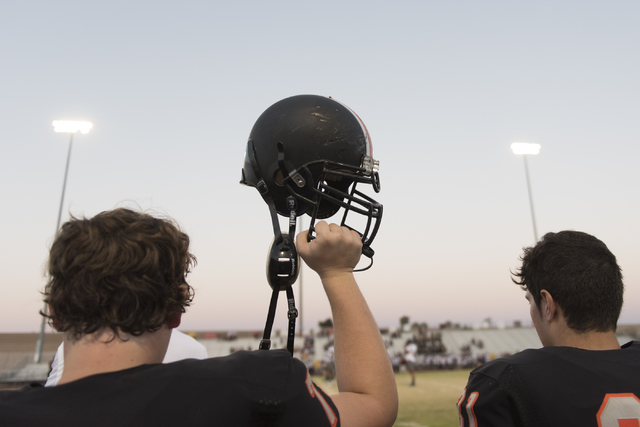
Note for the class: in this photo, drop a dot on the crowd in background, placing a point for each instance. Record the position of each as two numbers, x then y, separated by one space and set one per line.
431 355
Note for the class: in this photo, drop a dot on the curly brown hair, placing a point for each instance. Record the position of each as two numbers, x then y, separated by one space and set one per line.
121 269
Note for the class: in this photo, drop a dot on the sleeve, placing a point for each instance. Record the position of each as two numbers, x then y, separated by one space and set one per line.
308 405
484 404
329 408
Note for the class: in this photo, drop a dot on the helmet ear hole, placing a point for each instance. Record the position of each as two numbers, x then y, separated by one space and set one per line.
278 177
327 209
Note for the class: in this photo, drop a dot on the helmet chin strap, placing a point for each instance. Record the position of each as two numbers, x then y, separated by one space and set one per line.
282 272
283 264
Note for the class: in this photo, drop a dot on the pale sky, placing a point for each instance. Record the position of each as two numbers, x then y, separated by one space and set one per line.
173 89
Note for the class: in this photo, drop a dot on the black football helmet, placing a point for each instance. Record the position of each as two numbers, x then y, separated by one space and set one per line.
305 155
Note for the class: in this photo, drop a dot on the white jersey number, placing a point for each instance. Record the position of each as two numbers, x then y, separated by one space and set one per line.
619 410
473 397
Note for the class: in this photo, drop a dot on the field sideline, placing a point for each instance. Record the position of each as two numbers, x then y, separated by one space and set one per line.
431 403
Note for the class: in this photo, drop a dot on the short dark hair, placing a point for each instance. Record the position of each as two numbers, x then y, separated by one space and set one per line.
580 273
121 269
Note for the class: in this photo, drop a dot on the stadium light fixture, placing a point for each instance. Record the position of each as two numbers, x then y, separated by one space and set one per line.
71 127
525 149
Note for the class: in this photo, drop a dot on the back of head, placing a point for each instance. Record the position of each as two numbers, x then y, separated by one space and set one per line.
121 270
582 276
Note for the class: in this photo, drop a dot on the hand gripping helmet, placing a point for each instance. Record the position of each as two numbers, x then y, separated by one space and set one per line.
306 154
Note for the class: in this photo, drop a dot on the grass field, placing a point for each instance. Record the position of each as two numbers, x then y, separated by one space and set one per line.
431 403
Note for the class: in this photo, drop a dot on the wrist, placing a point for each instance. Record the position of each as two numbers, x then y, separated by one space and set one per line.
336 275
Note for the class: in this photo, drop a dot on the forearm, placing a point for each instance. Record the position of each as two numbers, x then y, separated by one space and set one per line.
363 368
367 389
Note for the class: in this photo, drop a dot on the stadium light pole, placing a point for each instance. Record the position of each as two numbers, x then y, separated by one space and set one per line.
526 149
71 127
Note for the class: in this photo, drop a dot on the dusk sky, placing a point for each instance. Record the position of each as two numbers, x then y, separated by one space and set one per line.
173 89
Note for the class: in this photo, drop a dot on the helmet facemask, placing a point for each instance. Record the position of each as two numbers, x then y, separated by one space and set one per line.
336 187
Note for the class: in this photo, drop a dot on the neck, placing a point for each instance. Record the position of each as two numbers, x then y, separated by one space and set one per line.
101 352
588 340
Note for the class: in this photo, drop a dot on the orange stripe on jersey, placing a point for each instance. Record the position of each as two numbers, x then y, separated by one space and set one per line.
473 397
309 385
331 416
459 405
311 388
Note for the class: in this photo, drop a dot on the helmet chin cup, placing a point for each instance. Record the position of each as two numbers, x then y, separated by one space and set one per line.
283 263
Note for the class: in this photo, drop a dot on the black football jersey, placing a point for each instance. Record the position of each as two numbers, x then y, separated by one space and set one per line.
555 386
258 388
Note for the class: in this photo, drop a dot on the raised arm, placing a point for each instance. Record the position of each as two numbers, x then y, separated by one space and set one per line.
367 389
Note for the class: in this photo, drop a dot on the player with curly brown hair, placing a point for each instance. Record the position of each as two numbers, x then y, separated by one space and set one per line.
117 286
